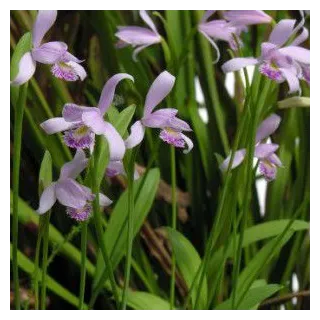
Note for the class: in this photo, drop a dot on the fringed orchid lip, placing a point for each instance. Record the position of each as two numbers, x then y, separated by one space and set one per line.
81 214
268 170
64 71
271 71
172 137
80 137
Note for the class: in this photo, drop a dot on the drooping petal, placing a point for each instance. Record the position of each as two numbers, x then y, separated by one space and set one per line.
238 63
78 69
44 21
94 120
247 17
207 15
292 80
264 150
109 89
137 36
71 194
104 201
55 125
74 167
159 89
302 37
268 127
116 144
47 199
275 160
50 52
282 32
115 168
27 67
297 53
178 124
71 112
159 118
136 135
237 160
188 142
214 45
68 57
145 17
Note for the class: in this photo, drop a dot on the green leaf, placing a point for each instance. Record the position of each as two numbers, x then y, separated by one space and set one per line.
45 174
255 295
28 266
123 120
254 234
188 262
139 300
115 237
23 46
102 156
294 102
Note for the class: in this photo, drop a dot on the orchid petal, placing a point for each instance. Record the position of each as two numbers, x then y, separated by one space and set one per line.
136 135
27 67
109 89
67 57
207 15
237 64
188 142
247 17
115 168
55 125
178 124
71 194
237 160
302 37
50 52
74 167
214 45
275 160
44 21
292 80
116 144
282 32
159 118
137 36
104 201
264 150
297 53
94 120
138 50
146 18
78 69
268 127
159 89
71 112
47 199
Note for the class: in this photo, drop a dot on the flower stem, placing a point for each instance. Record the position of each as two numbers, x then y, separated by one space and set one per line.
173 224
46 220
84 236
130 230
99 231
36 269
16 173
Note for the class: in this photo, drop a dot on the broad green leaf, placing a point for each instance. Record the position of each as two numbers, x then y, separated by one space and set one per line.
188 262
255 295
115 236
254 234
28 266
123 120
139 300
45 174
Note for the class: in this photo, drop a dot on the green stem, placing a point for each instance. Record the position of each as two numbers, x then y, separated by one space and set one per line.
99 231
130 175
16 173
45 225
36 269
84 237
248 173
174 224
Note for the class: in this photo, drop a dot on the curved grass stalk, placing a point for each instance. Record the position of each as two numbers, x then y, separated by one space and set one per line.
84 237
